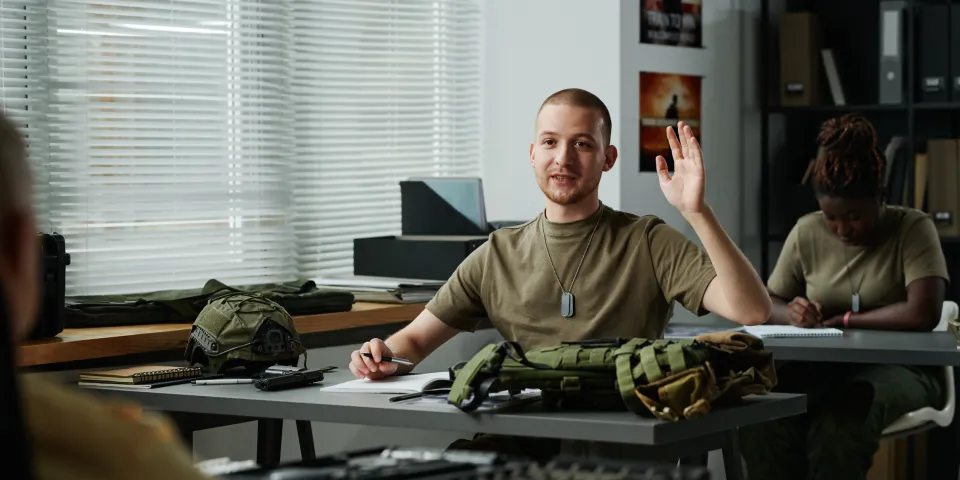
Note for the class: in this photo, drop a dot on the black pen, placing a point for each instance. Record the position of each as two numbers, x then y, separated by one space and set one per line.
384 358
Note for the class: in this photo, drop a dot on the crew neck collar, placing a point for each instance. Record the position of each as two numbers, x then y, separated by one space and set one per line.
579 227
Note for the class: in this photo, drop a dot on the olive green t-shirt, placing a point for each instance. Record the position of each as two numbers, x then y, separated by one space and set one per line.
75 434
632 272
815 264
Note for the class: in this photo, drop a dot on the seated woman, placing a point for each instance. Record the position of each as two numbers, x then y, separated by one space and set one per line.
857 263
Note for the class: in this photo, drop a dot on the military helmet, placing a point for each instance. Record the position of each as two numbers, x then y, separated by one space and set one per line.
243 330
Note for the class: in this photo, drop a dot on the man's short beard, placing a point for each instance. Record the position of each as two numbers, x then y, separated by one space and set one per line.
570 197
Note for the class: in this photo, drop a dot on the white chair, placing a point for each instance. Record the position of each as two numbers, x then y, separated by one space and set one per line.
929 417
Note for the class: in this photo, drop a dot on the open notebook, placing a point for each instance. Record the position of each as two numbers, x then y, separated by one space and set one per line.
783 331
399 384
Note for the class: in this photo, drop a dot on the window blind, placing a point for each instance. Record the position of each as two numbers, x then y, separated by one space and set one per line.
168 142
382 91
23 76
245 140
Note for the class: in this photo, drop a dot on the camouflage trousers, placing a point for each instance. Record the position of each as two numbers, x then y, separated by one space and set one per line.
848 406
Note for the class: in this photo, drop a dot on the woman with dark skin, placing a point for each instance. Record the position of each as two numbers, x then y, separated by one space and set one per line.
856 263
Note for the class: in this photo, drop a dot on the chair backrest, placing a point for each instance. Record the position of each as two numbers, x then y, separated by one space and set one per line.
15 458
950 311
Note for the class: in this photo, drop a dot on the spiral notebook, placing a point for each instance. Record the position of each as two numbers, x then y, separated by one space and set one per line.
785 331
141 374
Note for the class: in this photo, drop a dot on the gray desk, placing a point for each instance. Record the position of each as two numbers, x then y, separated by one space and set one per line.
871 346
714 431
859 346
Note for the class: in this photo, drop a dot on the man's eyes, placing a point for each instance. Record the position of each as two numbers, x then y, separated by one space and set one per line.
579 144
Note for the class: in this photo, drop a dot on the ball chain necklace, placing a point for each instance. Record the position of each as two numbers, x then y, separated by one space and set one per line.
566 296
855 292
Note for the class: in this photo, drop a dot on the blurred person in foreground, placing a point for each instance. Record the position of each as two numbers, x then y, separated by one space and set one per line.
72 434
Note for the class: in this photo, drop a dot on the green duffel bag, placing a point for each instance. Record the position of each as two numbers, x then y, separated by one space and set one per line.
669 379
300 297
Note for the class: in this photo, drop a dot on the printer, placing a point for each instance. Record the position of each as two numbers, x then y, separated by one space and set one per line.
443 220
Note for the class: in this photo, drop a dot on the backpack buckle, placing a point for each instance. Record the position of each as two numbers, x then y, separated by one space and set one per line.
570 384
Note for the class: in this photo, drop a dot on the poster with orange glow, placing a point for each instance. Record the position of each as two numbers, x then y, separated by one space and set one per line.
672 22
665 99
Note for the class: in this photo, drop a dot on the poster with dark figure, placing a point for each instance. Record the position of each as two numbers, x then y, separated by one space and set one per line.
665 99
672 22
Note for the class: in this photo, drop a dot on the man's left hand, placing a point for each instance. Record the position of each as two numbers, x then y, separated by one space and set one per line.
684 190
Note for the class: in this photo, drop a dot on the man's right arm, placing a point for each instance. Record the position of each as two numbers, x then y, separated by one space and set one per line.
457 306
414 342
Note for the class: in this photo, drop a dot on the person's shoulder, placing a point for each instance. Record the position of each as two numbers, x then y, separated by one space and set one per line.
45 398
639 223
73 429
906 217
812 221
512 236
808 227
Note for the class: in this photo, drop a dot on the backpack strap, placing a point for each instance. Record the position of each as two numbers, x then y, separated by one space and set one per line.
626 383
487 360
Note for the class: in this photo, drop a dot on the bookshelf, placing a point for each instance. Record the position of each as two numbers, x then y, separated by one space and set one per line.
788 133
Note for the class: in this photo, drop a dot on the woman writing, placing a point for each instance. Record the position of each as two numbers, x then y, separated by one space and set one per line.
856 263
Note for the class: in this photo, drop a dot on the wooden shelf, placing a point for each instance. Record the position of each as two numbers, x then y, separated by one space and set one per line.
91 343
838 108
943 106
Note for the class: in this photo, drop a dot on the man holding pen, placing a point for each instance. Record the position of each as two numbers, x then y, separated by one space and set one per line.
582 270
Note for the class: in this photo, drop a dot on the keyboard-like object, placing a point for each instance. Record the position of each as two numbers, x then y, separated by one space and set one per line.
439 464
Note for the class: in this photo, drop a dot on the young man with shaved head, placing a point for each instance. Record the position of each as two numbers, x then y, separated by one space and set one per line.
582 270
72 434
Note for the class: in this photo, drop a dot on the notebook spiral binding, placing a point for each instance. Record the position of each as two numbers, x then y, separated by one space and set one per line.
172 374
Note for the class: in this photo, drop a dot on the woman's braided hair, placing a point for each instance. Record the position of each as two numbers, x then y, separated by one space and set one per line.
849 164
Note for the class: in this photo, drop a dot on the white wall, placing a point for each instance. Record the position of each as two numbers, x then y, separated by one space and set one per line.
721 63
534 48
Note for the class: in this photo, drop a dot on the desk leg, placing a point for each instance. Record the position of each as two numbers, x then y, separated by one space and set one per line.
732 466
305 435
269 439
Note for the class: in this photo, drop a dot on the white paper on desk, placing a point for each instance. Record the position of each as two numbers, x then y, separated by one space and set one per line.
399 384
784 331
376 282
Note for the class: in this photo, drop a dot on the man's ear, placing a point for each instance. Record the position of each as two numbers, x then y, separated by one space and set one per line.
531 154
610 157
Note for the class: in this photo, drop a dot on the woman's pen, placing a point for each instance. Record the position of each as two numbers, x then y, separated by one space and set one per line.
385 358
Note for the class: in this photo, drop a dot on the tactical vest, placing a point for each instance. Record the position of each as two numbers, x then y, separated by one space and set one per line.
670 379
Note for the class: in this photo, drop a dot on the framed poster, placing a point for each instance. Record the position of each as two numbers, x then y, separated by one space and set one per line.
672 22
665 99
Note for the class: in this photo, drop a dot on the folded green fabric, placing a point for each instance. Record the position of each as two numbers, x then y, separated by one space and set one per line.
300 297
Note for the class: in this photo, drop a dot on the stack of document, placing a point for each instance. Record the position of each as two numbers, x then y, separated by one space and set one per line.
383 289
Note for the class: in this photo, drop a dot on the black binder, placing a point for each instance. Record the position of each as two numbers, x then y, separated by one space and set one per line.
933 62
954 49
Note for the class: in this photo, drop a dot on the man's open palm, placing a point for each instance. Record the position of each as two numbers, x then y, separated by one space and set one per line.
684 190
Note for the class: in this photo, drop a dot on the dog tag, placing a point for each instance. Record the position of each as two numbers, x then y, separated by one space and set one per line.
566 304
855 302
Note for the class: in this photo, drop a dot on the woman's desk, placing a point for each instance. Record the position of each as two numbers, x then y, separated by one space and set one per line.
870 346
75 344
855 346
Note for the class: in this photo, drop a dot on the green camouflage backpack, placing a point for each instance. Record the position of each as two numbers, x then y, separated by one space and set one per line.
670 379
243 330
